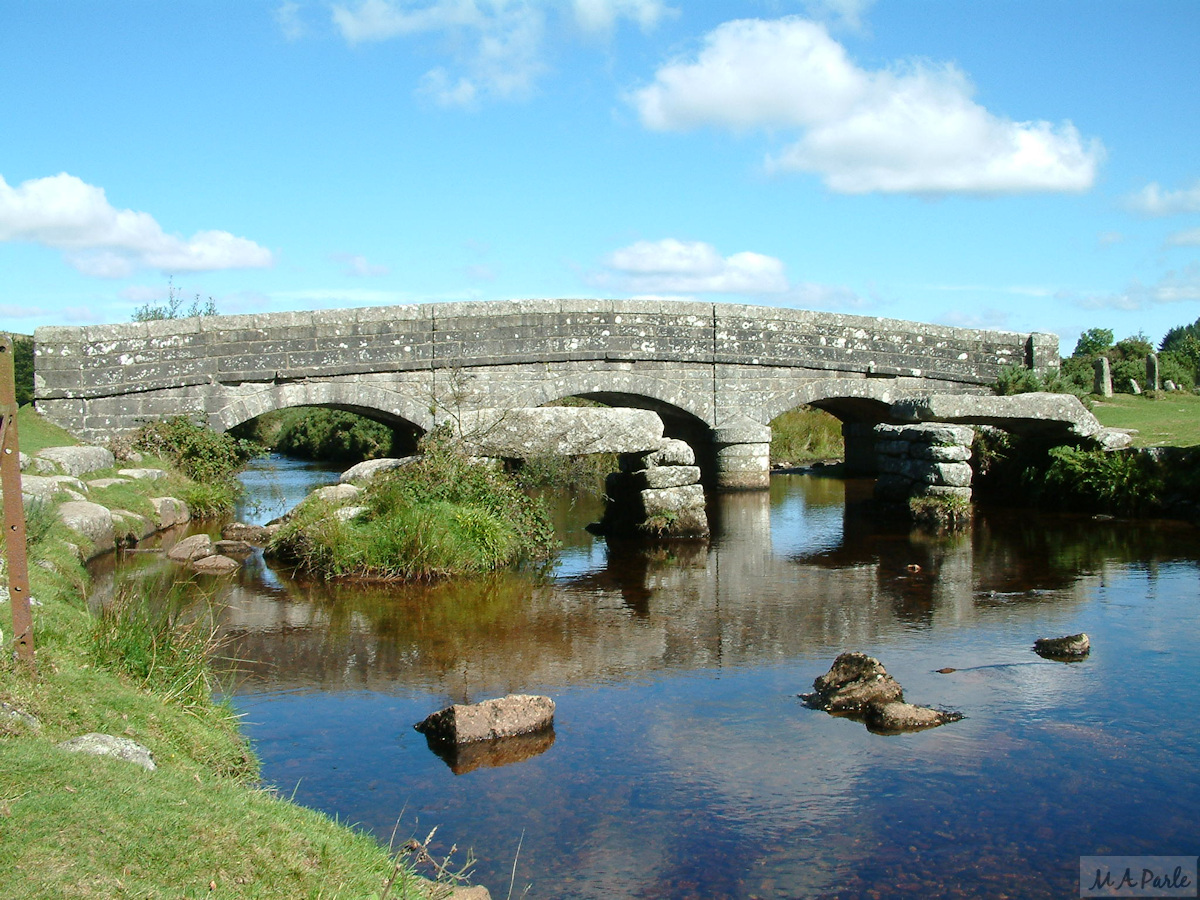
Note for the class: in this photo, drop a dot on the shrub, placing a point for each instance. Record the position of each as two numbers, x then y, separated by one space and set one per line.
199 452
1121 483
317 433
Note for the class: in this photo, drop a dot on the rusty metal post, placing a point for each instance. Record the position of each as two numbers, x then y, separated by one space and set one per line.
14 507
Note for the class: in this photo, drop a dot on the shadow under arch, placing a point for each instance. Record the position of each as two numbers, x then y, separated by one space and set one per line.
394 410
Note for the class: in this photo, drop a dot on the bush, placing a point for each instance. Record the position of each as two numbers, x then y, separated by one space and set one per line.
333 434
199 452
1120 483
23 369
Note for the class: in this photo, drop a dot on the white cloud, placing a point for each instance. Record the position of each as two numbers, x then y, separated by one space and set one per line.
287 17
497 43
1174 287
357 265
1190 238
497 47
67 214
600 16
1152 200
671 266
913 128
845 12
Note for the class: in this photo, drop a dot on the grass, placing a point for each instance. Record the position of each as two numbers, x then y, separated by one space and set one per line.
76 826
1162 419
35 433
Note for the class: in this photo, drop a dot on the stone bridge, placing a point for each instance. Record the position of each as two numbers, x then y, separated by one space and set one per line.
716 373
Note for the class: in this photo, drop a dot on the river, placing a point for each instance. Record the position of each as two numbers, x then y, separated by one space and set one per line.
683 764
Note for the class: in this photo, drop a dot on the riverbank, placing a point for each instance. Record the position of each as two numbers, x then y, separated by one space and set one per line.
200 824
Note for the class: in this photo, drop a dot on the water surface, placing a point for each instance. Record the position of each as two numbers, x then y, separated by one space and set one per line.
683 765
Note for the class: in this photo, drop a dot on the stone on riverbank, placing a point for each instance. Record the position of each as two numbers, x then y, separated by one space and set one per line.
191 548
108 745
1063 649
73 460
93 521
499 718
368 469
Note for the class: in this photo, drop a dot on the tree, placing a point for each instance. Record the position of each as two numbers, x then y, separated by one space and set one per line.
23 369
1093 342
1177 337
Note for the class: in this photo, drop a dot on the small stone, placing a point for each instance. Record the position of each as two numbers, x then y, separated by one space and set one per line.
250 534
896 717
233 548
215 565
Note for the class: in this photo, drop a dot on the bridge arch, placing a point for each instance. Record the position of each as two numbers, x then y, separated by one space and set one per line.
369 400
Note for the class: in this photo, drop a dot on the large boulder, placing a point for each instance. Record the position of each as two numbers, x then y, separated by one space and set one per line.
369 468
194 547
91 520
489 720
77 460
337 493
169 511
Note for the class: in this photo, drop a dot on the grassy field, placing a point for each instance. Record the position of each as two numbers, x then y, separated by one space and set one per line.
1163 420
77 826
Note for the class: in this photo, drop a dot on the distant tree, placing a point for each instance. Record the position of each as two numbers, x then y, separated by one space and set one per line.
1178 336
23 369
174 308
1093 342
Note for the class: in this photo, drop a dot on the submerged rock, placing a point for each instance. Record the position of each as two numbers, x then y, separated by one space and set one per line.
859 686
251 534
895 717
1066 648
499 718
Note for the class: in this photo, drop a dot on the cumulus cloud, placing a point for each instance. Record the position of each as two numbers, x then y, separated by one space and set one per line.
1153 200
66 213
912 128
671 266
1174 287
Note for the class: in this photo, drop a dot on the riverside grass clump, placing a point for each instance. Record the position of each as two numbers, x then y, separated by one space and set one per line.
443 514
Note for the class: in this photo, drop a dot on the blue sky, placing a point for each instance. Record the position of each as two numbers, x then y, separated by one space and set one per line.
1029 166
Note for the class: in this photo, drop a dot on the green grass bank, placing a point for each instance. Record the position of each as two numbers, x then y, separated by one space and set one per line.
201 825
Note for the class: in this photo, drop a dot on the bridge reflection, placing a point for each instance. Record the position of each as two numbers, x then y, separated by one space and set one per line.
806 570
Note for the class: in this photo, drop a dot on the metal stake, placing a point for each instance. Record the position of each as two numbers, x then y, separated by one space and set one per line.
14 507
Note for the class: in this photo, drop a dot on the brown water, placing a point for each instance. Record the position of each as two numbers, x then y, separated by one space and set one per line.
683 764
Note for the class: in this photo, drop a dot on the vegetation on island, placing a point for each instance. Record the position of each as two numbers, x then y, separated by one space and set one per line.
443 514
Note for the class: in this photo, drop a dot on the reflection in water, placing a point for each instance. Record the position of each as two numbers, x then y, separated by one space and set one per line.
685 766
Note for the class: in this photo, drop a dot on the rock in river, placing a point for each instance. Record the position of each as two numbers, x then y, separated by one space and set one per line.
489 720
858 685
1063 649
